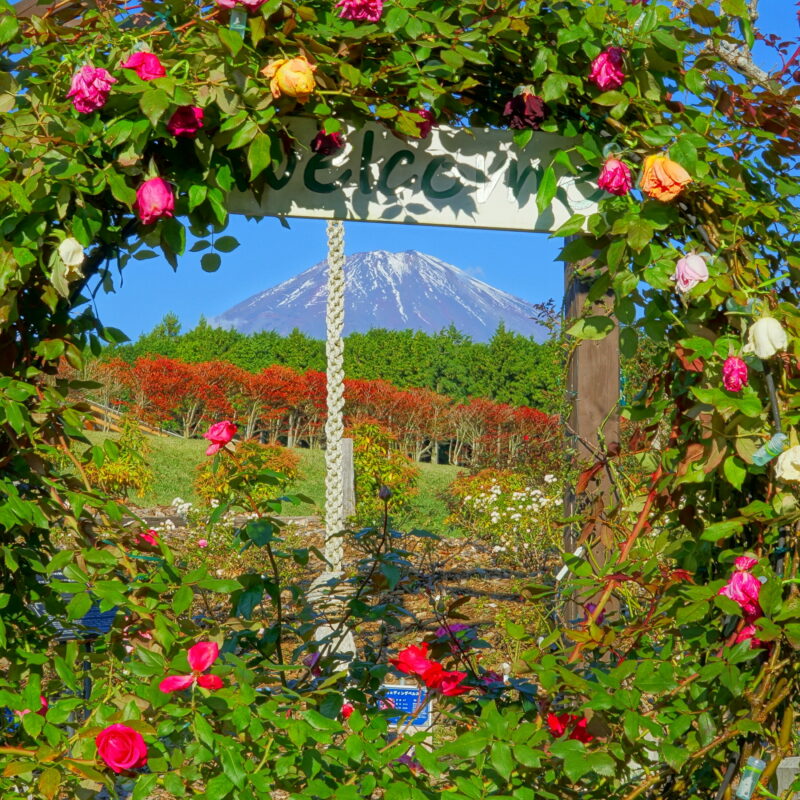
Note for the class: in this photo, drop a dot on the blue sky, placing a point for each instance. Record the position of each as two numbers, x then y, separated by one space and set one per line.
521 263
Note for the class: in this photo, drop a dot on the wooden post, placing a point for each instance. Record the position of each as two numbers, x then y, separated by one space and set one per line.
348 480
593 428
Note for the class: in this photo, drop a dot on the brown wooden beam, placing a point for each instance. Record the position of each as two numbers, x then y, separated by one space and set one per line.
593 375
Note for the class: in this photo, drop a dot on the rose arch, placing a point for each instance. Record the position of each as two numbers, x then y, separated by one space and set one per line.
127 128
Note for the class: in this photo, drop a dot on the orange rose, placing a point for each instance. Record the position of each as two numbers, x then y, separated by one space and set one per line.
293 77
663 179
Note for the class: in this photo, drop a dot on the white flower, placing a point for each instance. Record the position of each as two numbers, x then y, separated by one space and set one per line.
787 467
71 253
549 478
765 338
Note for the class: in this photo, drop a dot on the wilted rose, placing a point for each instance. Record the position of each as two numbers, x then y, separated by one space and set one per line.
146 65
689 271
606 72
200 657
662 178
615 177
154 199
90 88
293 77
186 121
525 110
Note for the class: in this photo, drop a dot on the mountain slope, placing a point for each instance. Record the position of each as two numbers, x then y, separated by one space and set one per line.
386 290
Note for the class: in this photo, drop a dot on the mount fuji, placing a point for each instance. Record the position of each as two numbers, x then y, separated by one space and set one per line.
386 290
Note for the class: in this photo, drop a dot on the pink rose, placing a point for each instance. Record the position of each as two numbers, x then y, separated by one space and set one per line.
689 271
43 706
146 65
250 5
154 199
615 177
347 710
219 434
186 121
200 657
149 537
121 747
202 543
749 632
734 374
358 10
744 588
90 88
606 73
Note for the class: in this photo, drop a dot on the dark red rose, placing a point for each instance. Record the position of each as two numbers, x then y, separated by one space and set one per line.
525 110
327 144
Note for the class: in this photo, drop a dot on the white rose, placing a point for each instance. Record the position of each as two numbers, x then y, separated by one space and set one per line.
787 467
71 253
765 338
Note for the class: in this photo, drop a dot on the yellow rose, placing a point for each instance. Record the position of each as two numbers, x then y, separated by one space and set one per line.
293 77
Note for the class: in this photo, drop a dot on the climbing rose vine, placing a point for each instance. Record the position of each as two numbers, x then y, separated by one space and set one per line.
125 131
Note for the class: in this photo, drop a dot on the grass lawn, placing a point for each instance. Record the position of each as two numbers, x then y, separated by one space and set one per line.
175 461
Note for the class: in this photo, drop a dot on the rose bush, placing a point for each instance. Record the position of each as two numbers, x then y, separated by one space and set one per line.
663 668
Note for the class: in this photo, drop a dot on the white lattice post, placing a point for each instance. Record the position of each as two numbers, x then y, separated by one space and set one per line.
334 425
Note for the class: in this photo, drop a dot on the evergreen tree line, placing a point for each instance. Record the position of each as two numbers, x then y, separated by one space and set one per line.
510 368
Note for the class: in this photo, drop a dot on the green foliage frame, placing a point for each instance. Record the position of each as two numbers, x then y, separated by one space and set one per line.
672 699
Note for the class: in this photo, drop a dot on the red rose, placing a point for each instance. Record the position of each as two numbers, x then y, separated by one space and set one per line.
186 121
413 660
447 683
559 725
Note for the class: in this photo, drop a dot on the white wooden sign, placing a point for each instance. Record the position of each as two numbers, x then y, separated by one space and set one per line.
463 177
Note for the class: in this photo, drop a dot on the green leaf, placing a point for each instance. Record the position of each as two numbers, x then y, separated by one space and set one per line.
721 530
735 471
197 194
218 787
555 87
9 27
154 102
144 787
258 154
210 262
182 599
547 189
395 19
225 244
230 40
502 759
594 328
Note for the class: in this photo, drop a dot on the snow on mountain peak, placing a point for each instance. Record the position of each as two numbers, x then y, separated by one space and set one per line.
386 290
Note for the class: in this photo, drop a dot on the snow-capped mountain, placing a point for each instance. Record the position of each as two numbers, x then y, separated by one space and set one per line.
386 290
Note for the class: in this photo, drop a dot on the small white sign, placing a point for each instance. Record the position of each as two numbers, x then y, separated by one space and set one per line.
462 177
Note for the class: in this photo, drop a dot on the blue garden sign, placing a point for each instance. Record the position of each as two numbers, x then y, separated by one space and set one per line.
405 699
